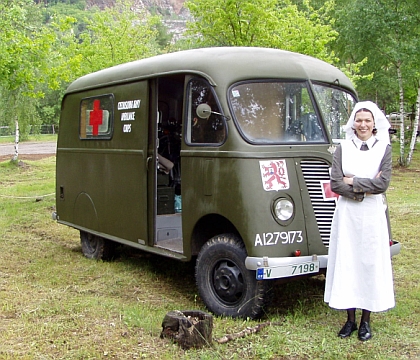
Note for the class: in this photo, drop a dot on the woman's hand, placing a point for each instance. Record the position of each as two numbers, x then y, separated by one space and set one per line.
348 180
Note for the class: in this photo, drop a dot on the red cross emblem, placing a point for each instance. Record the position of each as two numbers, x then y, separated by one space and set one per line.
96 117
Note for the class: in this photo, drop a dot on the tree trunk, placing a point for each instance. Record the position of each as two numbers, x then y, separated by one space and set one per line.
401 160
16 155
415 127
190 329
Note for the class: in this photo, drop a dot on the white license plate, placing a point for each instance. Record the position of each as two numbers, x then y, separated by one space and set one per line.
287 270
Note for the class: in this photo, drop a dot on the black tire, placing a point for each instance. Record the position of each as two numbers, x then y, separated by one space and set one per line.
96 247
225 285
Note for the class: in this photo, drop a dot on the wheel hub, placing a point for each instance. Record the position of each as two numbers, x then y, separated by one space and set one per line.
93 242
228 282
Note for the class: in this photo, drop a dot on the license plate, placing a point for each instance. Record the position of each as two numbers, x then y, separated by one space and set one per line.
288 270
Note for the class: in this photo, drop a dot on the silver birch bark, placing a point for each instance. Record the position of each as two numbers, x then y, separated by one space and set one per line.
16 155
415 127
402 160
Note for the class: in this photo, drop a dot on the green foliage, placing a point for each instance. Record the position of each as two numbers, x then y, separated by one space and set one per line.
113 36
74 4
23 45
46 45
69 9
352 70
265 23
14 104
387 34
163 37
117 35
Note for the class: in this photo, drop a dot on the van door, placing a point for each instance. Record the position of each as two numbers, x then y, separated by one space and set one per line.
102 162
125 163
165 181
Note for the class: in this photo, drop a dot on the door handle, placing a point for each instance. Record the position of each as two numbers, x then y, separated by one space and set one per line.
149 159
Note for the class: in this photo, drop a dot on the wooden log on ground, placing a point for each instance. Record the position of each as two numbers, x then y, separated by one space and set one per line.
189 328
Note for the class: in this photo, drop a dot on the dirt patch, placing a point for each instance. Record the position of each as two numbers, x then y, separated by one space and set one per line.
397 169
32 157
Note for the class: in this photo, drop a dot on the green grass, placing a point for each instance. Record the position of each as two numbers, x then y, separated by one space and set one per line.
38 137
55 304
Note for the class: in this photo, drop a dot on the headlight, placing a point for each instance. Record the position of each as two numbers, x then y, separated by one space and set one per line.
283 209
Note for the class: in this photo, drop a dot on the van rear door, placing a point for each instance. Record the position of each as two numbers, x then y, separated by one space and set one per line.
102 161
127 213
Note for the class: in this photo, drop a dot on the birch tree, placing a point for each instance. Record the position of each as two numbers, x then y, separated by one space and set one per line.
415 127
24 47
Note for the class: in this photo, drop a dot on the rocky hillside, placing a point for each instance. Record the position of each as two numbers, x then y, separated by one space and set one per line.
173 12
167 8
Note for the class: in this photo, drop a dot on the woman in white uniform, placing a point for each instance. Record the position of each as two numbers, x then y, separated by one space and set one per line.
359 273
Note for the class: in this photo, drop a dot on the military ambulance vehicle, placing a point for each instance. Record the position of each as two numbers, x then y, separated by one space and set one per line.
216 155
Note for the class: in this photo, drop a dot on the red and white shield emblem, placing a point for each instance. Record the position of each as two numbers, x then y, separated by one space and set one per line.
274 175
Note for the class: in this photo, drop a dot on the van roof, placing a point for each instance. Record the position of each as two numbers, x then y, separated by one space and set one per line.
220 65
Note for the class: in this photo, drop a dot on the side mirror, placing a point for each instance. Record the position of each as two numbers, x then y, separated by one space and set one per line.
203 111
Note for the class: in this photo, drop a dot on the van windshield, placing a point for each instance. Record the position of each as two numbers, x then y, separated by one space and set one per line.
270 112
275 112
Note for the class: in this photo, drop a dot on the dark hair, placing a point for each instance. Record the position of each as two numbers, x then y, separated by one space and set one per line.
374 131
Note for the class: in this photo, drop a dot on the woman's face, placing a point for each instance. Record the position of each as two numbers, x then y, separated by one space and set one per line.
364 124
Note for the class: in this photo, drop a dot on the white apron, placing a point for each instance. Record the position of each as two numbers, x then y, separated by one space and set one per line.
359 273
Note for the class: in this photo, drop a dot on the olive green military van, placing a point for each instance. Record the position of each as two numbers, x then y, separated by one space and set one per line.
220 155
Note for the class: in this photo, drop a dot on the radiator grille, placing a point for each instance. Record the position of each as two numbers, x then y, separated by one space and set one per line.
315 171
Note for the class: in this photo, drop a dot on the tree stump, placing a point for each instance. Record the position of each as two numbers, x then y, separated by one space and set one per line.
190 329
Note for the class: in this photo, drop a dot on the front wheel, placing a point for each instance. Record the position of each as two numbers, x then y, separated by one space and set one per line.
96 247
226 286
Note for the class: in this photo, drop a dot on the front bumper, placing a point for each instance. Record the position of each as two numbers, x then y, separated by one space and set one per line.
283 267
276 268
253 263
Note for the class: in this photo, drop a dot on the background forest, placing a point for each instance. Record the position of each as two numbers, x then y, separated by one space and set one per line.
46 44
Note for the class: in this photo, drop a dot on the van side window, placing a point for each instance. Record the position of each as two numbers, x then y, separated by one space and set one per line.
96 117
203 131
336 106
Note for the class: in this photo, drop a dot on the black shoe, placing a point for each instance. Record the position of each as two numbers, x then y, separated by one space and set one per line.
364 331
347 329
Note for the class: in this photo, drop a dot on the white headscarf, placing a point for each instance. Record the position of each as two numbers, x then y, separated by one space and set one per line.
381 122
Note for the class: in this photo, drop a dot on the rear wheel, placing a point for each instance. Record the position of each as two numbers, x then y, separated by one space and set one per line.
96 247
226 286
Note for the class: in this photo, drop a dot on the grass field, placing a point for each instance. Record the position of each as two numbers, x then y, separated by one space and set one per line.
40 137
55 304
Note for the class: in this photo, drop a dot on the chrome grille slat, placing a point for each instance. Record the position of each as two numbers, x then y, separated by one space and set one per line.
313 172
